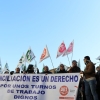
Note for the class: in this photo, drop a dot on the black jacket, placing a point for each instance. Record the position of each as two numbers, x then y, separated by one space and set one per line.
74 69
46 72
98 77
62 71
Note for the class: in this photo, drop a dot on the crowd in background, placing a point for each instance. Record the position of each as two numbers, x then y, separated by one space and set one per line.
89 86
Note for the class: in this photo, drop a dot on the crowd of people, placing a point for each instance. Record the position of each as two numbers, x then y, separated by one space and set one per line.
89 86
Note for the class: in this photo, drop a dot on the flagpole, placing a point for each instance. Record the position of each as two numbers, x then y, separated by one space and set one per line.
50 58
25 69
68 60
72 56
52 62
24 61
43 67
72 51
34 60
35 65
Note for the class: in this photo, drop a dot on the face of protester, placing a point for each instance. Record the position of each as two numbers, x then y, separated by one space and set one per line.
61 67
30 69
98 69
17 70
85 60
46 68
74 63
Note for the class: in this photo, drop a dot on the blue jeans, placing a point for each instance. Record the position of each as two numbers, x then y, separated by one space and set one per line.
90 90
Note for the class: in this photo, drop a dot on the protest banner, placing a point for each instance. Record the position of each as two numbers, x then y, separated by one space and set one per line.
39 86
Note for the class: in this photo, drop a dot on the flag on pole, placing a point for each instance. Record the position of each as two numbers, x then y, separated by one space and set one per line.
19 65
70 49
22 63
45 54
23 67
29 55
98 58
61 49
6 67
79 65
22 59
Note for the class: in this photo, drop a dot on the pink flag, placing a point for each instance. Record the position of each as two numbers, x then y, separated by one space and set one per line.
61 49
45 54
70 49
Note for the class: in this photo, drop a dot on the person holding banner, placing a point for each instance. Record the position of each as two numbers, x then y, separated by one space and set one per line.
90 80
62 69
30 69
46 70
17 70
74 68
98 81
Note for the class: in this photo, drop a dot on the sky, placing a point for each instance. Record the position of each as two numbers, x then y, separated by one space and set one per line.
37 23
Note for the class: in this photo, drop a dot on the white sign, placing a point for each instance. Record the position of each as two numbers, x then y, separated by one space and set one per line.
39 86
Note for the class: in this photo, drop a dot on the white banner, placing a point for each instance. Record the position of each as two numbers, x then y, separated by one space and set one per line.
39 86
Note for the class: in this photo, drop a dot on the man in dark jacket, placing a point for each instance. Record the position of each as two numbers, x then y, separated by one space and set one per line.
74 68
98 81
62 69
90 80
17 71
30 69
46 70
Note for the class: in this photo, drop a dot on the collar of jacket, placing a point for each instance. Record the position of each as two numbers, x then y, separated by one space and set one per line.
87 62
